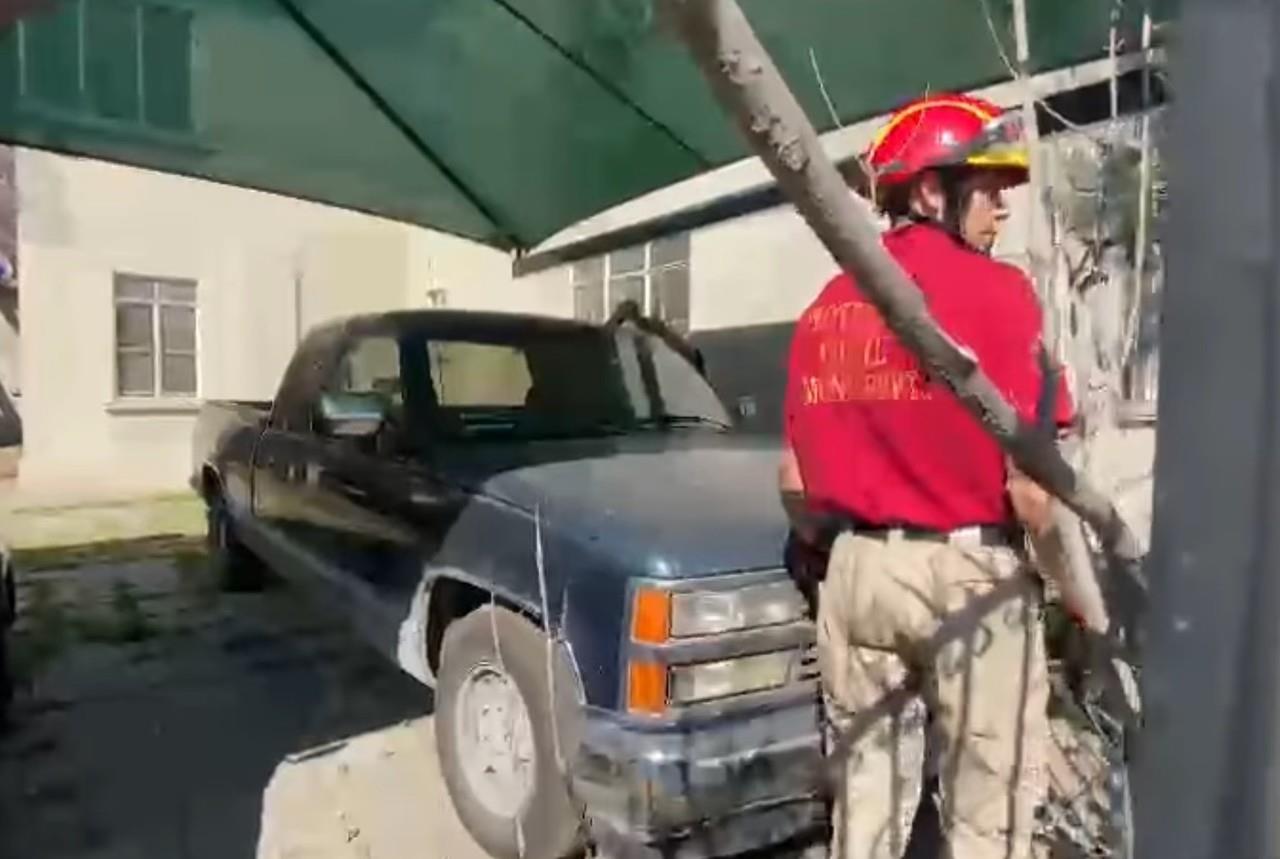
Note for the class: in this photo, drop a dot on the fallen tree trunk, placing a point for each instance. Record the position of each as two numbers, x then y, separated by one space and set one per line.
750 88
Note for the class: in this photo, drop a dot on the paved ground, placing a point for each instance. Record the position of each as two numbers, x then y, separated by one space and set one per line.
162 720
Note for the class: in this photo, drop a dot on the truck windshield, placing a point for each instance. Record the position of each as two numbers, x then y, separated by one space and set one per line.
550 384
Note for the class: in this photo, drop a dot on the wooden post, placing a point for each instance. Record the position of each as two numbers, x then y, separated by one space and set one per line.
750 88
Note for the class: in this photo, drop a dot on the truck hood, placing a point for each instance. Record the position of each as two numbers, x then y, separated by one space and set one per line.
668 505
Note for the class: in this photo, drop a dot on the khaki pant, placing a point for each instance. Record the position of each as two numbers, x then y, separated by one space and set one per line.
910 629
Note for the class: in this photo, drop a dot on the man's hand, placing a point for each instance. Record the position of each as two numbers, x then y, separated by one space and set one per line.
1032 505
807 565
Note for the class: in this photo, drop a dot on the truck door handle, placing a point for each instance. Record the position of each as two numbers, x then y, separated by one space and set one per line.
354 491
344 486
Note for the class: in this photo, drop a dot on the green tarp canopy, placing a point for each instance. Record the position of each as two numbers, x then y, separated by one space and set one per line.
498 120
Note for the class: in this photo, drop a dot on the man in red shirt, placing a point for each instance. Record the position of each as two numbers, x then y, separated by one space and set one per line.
928 611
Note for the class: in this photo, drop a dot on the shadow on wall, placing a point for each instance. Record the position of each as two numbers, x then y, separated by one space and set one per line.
748 368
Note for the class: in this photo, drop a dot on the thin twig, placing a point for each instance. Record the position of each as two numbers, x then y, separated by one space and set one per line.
872 173
1018 75
502 666
822 87
550 636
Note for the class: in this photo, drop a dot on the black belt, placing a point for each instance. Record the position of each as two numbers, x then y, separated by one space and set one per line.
972 535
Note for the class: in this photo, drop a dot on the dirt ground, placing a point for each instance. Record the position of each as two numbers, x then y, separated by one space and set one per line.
161 719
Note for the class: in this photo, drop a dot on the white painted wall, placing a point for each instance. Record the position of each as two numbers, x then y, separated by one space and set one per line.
761 268
267 268
476 277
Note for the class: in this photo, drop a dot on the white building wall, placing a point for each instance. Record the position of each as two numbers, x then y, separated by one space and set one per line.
472 276
550 290
761 268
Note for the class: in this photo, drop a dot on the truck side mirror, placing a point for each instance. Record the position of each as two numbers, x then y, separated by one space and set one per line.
348 414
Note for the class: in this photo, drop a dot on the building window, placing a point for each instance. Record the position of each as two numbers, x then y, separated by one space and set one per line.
122 62
654 275
155 337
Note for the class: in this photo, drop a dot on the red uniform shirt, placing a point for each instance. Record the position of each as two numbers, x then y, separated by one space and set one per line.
874 437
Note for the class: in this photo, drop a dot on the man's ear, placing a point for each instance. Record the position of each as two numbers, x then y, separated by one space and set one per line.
928 196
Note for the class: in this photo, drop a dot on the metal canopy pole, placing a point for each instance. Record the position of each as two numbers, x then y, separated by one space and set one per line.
750 88
1039 254
1208 779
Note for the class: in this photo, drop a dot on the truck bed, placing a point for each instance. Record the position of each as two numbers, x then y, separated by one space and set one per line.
218 418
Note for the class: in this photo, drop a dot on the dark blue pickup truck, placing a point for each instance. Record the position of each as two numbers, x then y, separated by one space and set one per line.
551 524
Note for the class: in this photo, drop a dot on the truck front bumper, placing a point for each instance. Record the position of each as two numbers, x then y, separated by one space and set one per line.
710 788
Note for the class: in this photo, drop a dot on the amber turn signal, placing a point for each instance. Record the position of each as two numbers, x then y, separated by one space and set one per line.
651 616
647 688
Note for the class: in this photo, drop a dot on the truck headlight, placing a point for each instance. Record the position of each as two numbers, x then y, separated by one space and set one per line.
705 681
668 618
711 612
661 615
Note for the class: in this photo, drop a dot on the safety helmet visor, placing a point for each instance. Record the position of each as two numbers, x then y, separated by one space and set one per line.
1000 145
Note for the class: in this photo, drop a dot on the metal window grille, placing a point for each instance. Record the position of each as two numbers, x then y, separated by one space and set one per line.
654 275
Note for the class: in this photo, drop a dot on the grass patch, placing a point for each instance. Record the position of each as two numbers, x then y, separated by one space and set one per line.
123 622
185 550
46 629
160 498
50 624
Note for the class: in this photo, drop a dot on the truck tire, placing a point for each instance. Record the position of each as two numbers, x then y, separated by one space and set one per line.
234 567
494 735
6 679
8 615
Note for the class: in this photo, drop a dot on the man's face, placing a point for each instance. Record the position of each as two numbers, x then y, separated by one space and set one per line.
985 211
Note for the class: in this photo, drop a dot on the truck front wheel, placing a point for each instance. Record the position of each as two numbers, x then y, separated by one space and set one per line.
234 567
8 613
6 682
497 720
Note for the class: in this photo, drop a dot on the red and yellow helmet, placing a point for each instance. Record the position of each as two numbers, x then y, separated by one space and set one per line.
947 131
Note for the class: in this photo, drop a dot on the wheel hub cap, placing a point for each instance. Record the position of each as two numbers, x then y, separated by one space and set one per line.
495 740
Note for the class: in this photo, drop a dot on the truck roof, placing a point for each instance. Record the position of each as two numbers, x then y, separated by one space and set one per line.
457 322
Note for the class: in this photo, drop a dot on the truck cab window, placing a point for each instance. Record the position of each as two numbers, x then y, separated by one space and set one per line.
479 374
371 364
563 384
660 381
370 371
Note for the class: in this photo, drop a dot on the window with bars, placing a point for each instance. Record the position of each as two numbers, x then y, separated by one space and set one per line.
654 275
156 344
119 61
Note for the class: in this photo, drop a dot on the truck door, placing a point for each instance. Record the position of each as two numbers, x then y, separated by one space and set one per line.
366 503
